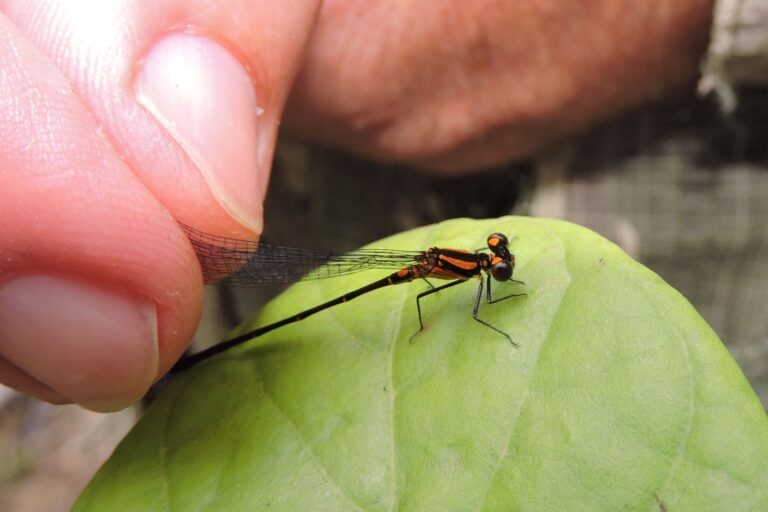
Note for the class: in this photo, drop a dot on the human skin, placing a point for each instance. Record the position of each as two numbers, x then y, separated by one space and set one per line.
456 86
118 118
115 118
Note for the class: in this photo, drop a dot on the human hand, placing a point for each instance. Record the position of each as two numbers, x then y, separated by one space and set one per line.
115 118
457 85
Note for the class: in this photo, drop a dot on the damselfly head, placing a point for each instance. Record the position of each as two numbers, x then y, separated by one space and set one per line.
503 263
497 243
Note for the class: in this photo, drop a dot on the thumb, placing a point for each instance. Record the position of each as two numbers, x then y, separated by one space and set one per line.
140 113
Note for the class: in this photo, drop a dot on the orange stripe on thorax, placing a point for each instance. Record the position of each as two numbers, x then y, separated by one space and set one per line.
462 264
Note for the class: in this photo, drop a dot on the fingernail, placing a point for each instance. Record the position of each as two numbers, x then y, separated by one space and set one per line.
14 378
205 99
95 345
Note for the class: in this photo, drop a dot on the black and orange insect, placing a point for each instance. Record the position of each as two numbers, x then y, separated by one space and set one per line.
241 263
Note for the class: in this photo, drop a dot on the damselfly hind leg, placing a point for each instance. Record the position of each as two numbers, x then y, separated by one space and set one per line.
424 294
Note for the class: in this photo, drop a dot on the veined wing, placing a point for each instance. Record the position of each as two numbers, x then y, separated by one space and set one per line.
234 262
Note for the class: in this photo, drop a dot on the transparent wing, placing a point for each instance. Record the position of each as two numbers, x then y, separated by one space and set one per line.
233 262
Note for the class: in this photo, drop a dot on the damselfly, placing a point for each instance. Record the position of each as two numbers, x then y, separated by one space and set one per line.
243 263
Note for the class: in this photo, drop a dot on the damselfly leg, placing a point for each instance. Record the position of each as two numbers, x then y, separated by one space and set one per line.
476 309
490 300
424 294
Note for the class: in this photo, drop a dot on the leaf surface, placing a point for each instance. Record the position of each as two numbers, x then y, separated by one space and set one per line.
619 397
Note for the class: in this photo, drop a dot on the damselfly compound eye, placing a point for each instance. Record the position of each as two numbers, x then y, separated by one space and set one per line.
502 271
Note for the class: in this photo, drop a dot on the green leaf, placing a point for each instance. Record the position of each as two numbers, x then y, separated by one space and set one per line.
619 397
